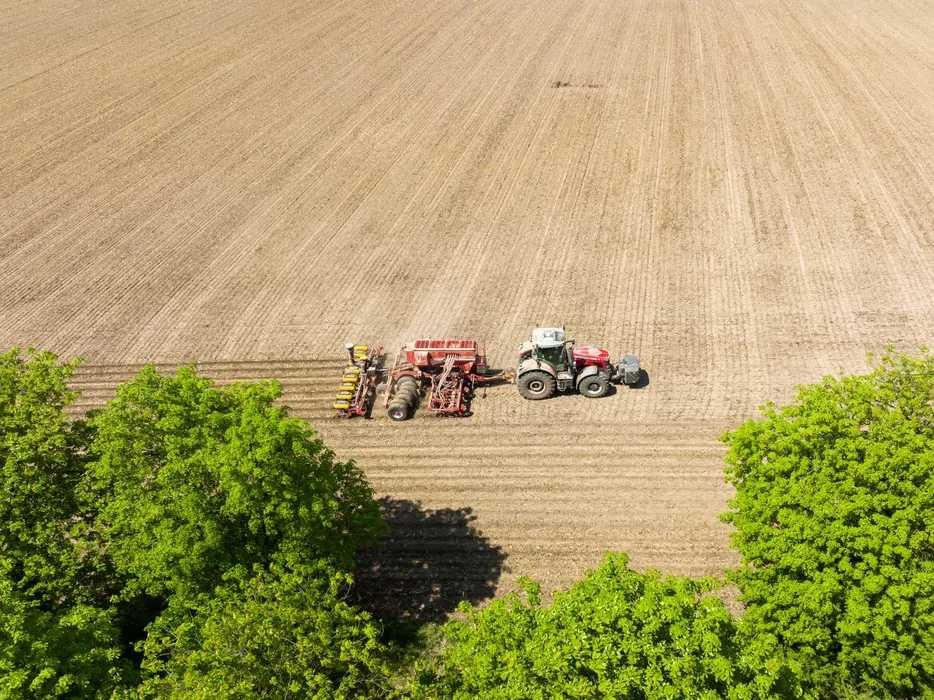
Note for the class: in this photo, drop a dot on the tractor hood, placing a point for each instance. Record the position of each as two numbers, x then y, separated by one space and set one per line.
590 355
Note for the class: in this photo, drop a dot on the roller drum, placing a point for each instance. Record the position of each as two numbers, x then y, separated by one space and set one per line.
406 381
410 396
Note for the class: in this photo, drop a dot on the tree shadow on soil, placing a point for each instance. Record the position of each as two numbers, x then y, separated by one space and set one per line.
430 561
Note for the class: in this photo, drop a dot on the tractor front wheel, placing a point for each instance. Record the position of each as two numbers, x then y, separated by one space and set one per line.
594 387
536 385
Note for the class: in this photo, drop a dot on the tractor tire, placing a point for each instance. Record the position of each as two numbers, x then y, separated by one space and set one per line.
536 385
398 410
593 387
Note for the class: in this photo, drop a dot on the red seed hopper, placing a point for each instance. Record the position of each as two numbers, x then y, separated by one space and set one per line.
443 370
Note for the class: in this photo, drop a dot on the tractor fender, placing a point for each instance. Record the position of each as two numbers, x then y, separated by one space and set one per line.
588 371
533 364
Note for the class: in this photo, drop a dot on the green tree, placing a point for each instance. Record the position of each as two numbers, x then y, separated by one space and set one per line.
154 509
833 513
615 634
282 632
41 462
192 481
66 651
57 638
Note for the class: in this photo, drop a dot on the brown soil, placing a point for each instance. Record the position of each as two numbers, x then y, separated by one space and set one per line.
741 193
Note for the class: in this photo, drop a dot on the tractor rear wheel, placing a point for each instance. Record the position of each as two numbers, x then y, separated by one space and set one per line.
536 385
594 387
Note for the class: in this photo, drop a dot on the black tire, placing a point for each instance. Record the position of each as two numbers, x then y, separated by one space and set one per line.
398 410
536 385
594 386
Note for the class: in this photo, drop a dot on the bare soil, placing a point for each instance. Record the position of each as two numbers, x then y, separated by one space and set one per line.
740 193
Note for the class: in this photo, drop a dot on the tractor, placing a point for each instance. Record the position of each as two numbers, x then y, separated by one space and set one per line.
551 363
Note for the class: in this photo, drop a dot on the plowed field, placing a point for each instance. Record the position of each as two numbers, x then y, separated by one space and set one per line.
741 193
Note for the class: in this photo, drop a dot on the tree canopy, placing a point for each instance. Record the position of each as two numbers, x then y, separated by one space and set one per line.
615 634
69 651
178 519
57 637
195 541
194 481
282 632
40 466
833 513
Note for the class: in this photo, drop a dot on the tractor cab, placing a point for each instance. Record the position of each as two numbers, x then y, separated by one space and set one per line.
551 345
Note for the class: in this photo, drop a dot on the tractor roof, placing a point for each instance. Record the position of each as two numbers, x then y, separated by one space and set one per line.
548 337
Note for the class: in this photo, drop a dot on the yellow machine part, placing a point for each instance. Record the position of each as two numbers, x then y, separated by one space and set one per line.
344 395
351 369
349 386
341 405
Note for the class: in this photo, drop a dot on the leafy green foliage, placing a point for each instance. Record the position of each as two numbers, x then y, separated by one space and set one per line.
54 638
69 652
152 511
217 532
833 514
194 481
279 633
39 467
615 634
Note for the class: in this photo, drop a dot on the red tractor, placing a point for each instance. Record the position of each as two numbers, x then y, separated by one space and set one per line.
550 363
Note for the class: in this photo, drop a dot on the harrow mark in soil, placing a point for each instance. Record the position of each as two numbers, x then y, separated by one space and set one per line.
306 383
